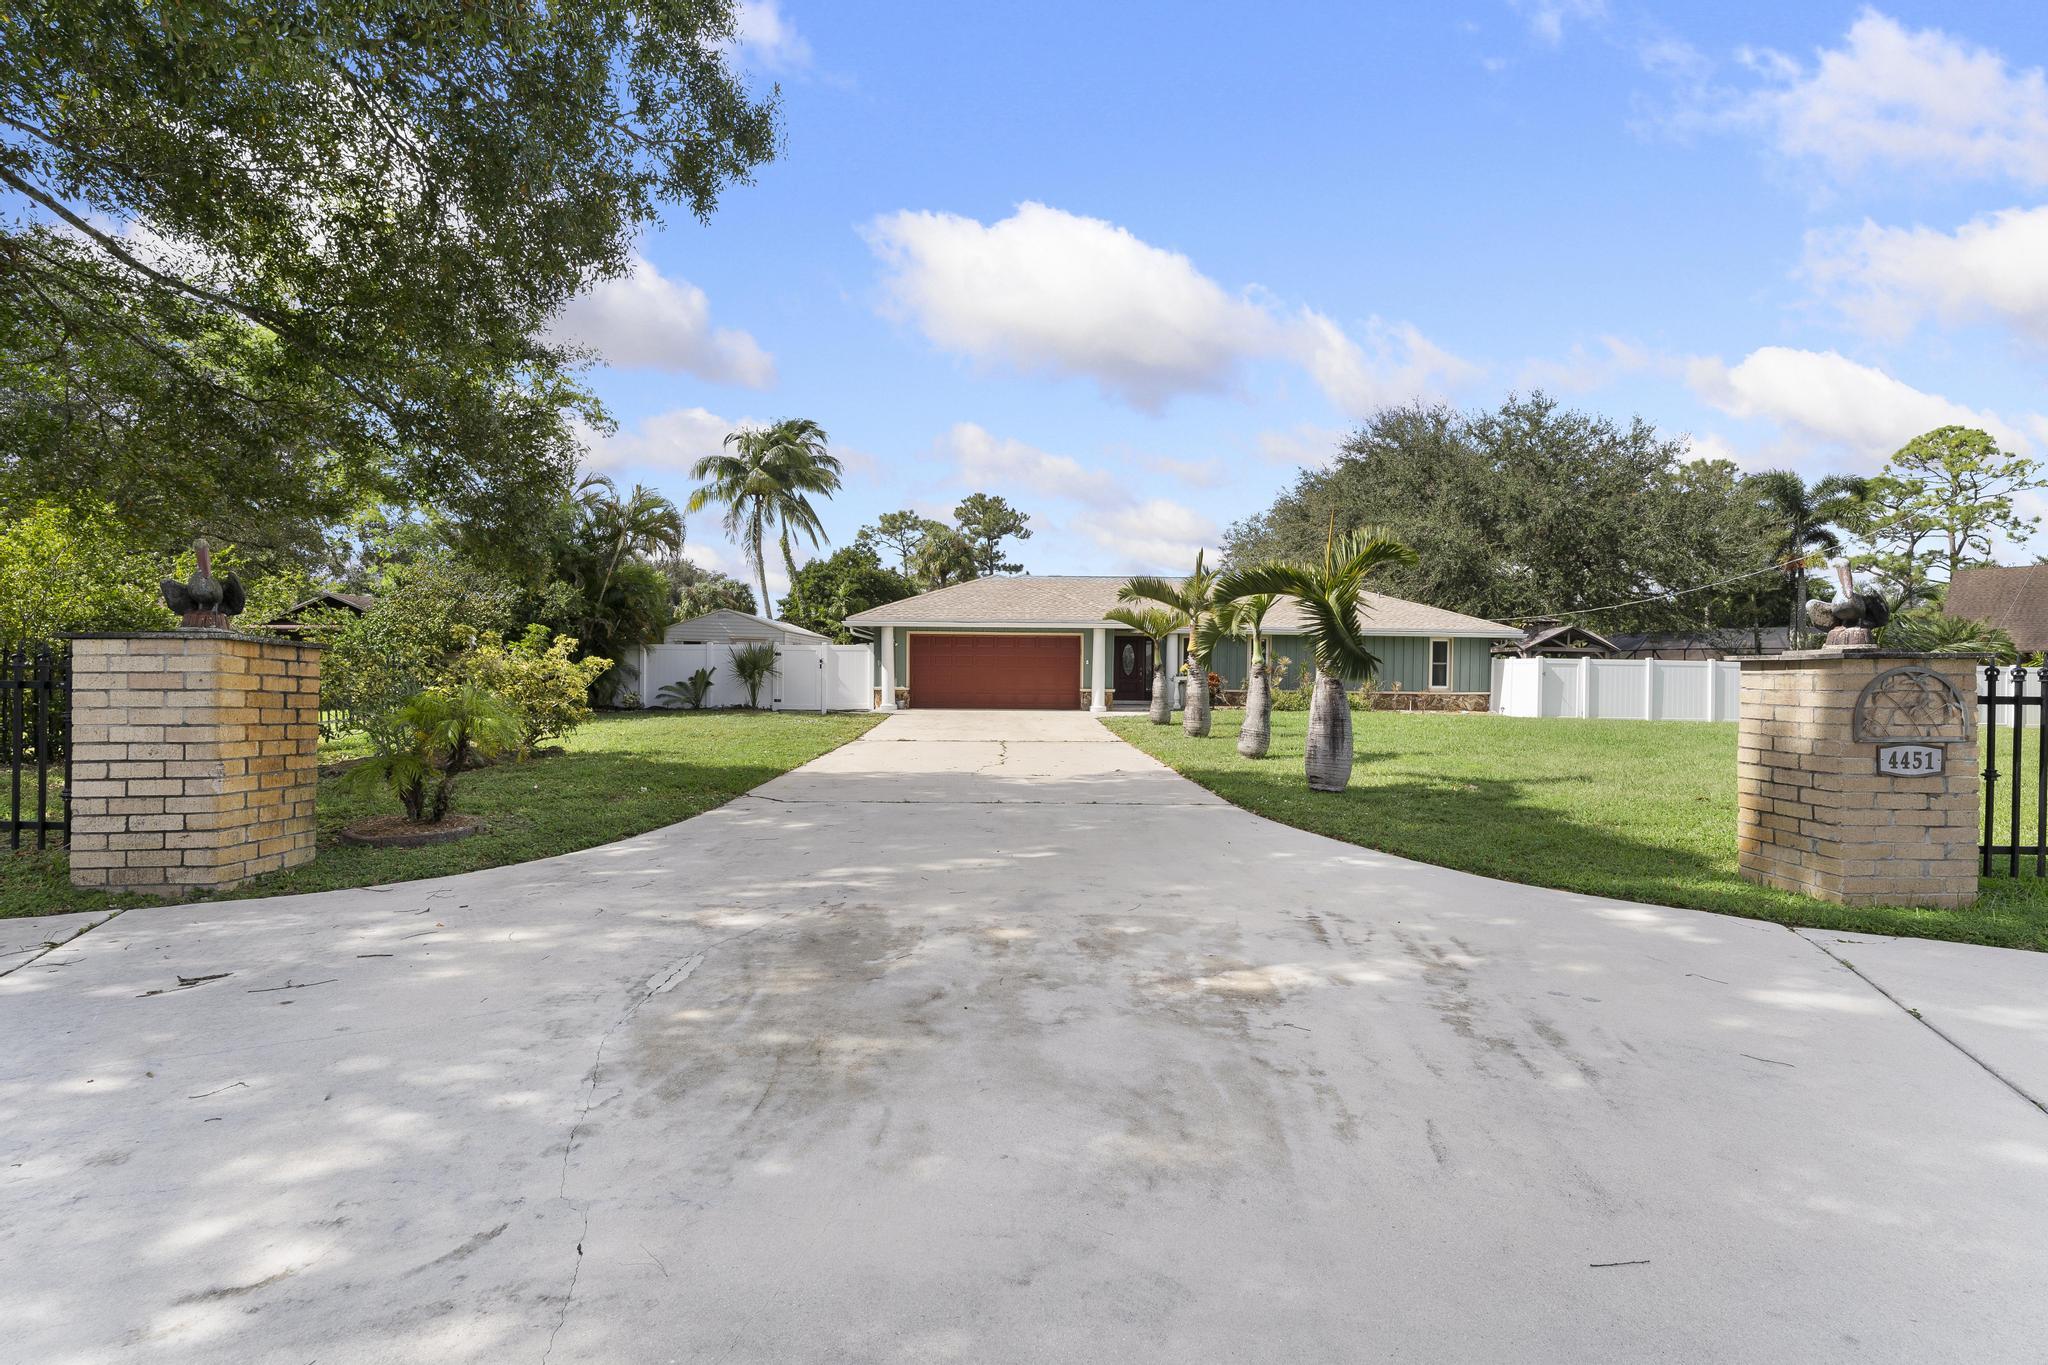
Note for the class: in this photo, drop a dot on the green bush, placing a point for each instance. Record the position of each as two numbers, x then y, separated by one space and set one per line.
424 744
425 614
535 675
63 570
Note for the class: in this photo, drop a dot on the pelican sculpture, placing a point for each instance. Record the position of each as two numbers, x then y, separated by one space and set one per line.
203 601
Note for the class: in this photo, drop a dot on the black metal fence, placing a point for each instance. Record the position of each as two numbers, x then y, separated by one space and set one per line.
2016 759
35 739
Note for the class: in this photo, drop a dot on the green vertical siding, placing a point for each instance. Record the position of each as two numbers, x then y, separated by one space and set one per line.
1404 661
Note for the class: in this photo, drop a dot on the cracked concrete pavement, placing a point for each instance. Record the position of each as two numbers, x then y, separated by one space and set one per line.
986 1038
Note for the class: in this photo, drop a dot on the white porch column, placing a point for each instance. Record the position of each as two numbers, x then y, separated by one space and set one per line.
888 668
1099 701
1174 655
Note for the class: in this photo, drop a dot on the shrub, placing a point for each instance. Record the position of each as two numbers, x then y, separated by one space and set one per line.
693 692
427 611
424 744
547 689
1291 698
753 665
63 570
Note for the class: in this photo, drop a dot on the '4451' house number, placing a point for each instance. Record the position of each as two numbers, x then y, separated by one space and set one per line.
1910 760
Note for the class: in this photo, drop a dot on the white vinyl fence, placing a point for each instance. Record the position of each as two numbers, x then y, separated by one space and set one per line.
809 678
1618 689
2030 686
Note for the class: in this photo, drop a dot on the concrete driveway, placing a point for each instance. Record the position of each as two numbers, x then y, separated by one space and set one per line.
987 1039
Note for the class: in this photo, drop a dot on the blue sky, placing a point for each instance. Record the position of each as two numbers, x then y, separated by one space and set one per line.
1131 266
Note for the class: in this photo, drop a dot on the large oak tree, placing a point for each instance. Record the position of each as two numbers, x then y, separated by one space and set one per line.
263 265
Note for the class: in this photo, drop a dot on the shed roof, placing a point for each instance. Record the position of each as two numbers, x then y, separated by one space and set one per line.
726 624
2015 599
1080 600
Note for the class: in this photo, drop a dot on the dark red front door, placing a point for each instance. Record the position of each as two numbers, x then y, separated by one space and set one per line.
1131 665
999 672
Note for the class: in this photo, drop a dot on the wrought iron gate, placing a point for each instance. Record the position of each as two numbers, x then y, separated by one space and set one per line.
35 734
2010 758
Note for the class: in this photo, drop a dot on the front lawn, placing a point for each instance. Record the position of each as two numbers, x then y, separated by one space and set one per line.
1636 810
622 775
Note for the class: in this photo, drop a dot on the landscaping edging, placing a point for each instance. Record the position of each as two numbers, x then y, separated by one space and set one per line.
395 831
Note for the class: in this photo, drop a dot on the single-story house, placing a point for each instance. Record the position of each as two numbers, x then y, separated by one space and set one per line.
1042 642
727 627
292 620
2015 600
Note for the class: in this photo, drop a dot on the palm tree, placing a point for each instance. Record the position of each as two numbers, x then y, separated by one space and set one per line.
1245 619
1194 597
765 478
1802 517
644 523
1329 593
1156 624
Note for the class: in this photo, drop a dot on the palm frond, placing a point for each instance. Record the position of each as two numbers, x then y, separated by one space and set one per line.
1154 623
1148 589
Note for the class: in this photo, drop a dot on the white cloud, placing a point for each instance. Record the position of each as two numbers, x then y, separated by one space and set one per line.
1547 17
769 38
1051 292
1893 97
1305 444
1008 464
1712 447
1888 280
1206 473
675 439
644 320
1157 534
1830 398
1583 369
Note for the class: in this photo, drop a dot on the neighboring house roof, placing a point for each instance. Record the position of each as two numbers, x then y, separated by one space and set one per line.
287 622
2014 599
725 624
1705 643
1079 601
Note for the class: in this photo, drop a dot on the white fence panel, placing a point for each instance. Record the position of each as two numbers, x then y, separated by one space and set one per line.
1618 689
2030 687
807 678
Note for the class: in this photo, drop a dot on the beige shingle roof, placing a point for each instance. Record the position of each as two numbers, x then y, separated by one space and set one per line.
1059 600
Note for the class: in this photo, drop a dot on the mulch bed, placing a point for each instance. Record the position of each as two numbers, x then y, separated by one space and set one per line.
395 831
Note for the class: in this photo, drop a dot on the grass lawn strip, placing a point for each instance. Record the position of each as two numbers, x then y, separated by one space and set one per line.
1633 810
621 775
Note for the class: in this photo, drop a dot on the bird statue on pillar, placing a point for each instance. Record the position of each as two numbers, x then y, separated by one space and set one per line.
1850 618
203 601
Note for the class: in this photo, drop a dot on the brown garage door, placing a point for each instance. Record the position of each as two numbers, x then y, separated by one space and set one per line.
1011 672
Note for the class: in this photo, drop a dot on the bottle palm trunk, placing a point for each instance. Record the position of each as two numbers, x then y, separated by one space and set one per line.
1194 719
1255 736
1162 703
1328 758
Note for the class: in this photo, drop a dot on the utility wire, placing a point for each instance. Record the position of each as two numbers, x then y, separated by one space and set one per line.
1683 592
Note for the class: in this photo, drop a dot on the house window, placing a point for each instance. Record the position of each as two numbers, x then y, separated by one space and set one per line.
1439 665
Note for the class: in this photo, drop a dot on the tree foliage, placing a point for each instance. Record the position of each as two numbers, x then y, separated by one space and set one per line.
850 580
1943 502
1802 518
67 569
986 521
1530 509
426 610
695 590
267 265
765 479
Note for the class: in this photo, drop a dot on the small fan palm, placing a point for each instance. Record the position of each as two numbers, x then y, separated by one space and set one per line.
1156 624
1194 597
1330 595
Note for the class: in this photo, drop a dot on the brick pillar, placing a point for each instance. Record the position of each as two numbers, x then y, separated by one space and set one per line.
194 759
1816 816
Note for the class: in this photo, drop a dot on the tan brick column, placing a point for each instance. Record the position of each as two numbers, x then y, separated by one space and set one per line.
1814 813
194 758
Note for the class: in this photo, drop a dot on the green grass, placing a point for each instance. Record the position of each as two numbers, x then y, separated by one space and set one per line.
622 775
1635 810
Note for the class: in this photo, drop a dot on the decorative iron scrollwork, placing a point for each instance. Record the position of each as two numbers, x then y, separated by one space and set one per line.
1130 658
1911 704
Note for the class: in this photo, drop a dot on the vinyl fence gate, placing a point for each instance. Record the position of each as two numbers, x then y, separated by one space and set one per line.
35 732
2011 758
